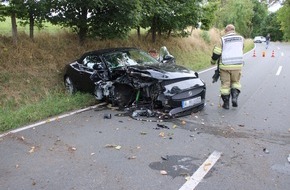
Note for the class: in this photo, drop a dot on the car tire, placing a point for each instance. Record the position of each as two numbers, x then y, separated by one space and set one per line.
69 85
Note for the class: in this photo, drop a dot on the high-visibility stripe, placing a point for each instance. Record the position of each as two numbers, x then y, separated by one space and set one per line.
232 49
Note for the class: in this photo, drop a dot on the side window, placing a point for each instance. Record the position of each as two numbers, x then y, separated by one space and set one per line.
91 60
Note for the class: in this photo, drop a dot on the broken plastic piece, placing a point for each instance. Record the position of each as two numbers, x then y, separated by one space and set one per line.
164 157
162 126
107 116
266 150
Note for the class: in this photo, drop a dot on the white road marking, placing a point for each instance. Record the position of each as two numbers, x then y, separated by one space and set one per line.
282 54
47 121
279 71
201 171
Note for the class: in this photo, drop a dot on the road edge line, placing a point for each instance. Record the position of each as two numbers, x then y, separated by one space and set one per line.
47 121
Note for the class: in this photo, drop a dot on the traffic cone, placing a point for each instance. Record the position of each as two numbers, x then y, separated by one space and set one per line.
263 54
254 55
273 54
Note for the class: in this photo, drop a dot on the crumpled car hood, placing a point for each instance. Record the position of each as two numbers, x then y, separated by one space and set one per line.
165 71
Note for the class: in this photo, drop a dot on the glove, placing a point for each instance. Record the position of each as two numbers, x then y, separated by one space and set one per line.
216 76
213 62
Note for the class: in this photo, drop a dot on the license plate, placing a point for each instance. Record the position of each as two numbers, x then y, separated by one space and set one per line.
190 102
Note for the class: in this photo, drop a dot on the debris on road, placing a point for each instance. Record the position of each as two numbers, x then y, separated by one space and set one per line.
32 149
206 166
162 126
161 134
143 133
118 147
266 150
164 157
72 148
163 172
107 116
288 158
132 157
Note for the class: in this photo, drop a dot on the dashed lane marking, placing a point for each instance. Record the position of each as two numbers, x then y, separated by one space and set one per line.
279 71
201 171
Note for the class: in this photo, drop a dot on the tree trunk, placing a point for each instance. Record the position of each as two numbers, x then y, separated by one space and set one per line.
138 32
153 29
14 28
168 33
82 35
31 26
83 27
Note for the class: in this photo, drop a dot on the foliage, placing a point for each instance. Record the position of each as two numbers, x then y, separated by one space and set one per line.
283 17
33 13
74 14
114 19
97 18
261 12
237 12
2 13
271 26
169 16
207 17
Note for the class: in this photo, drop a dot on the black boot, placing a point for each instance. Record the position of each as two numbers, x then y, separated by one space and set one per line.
235 94
226 99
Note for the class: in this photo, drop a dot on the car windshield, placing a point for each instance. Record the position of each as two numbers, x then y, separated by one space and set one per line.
128 57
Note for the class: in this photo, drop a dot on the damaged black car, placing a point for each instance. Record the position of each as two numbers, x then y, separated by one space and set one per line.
131 78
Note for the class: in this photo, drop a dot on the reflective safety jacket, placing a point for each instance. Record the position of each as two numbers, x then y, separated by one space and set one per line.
232 52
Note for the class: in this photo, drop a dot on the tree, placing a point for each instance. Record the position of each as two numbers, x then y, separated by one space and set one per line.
208 14
261 12
114 19
271 26
167 16
33 12
74 14
237 12
95 18
2 12
13 9
283 17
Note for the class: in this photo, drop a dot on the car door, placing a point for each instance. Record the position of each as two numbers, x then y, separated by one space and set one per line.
86 70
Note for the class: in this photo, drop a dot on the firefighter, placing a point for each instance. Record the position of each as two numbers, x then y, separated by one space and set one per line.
230 62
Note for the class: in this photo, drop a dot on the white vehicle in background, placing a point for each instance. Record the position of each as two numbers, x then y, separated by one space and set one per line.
259 39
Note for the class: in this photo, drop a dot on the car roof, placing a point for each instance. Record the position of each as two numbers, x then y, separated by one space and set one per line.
107 50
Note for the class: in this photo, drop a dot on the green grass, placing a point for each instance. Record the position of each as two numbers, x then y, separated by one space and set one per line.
6 28
51 105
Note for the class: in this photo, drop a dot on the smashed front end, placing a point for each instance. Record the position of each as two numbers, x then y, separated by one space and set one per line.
183 97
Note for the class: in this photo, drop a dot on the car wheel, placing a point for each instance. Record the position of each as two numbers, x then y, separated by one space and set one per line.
69 85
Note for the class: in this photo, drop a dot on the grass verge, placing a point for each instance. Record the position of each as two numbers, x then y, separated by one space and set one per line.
53 104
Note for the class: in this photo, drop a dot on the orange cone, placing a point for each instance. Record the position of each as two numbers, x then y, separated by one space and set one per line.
273 54
254 55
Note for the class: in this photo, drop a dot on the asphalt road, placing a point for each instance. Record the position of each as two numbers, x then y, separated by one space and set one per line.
86 151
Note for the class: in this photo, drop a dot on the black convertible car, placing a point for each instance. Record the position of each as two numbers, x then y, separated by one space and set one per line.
131 78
